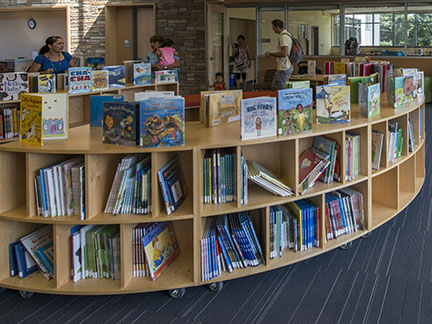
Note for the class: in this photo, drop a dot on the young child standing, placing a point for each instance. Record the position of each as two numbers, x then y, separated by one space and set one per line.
166 53
219 83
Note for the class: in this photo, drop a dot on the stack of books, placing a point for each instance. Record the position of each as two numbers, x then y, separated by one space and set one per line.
352 144
311 166
9 121
329 150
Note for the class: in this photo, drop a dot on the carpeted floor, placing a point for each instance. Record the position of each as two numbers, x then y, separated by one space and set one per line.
386 278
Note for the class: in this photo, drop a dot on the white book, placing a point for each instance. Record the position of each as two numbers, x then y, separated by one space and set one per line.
51 192
76 256
57 190
377 144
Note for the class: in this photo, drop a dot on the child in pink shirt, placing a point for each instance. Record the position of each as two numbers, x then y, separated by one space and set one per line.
166 53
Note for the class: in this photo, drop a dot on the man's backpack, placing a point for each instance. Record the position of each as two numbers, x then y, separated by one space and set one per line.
296 55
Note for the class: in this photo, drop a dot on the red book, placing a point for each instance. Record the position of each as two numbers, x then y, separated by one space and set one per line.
308 162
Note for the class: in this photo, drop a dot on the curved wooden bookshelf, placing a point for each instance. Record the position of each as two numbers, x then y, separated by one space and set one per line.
386 192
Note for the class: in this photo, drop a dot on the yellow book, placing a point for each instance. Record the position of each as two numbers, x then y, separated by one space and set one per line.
339 68
31 119
224 107
297 211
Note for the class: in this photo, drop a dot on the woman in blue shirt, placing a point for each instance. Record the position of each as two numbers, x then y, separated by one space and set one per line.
51 58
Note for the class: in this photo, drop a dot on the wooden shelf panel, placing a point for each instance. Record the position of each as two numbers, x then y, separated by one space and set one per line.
34 282
382 214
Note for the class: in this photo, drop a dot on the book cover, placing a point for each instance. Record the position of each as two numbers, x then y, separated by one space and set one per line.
12 259
31 119
120 123
12 85
339 68
377 144
354 82
172 184
165 76
95 62
308 161
22 64
333 104
419 84
400 91
24 262
369 100
80 79
258 117
141 73
116 75
311 67
46 255
295 111
55 121
162 122
224 107
335 79
96 107
161 248
140 96
298 84
100 80
46 83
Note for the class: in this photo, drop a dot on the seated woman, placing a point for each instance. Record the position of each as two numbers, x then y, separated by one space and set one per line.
156 42
51 58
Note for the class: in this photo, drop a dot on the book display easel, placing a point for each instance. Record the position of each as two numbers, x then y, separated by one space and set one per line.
385 193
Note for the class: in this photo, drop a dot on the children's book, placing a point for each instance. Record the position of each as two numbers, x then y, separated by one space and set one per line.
165 76
335 79
172 184
117 78
96 107
24 262
161 248
295 111
129 70
400 91
339 68
298 84
100 80
80 79
12 85
333 104
95 62
258 117
377 145
46 83
224 107
120 123
22 64
141 73
419 84
353 83
46 255
369 100
311 67
162 122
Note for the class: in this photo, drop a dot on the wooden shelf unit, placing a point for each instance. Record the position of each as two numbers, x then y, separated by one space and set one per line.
385 193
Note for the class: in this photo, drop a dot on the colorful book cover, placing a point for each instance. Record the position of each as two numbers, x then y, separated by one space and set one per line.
162 122
333 104
141 73
120 123
46 83
295 111
54 116
24 262
95 62
224 107
369 100
161 248
165 76
400 91
339 68
298 84
335 79
31 119
258 117
419 84
117 76
12 85
100 80
46 255
353 83
80 79
96 107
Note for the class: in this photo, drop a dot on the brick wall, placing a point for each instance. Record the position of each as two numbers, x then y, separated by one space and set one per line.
180 20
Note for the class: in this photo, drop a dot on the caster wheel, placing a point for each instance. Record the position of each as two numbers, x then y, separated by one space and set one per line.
367 235
216 286
25 294
346 246
177 293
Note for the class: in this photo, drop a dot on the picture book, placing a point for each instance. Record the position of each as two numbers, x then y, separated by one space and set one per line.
400 91
369 100
80 79
354 82
419 84
141 73
120 123
311 67
377 145
129 70
165 76
258 117
161 248
339 68
162 122
298 84
333 104
335 79
31 119
54 116
46 255
100 80
116 75
172 184
22 64
95 62
24 262
96 107
46 83
224 107
12 85
295 111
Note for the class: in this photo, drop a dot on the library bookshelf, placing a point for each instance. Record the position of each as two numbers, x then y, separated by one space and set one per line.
386 192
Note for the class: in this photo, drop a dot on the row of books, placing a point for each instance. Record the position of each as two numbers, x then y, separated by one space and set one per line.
59 189
229 242
395 141
353 153
95 252
33 252
9 122
131 188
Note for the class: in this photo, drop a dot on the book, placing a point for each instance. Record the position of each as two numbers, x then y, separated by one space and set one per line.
165 76
25 264
140 96
298 84
401 91
95 63
333 104
96 107
129 70
46 83
120 123
295 111
258 117
369 100
22 64
335 79
12 259
353 82
311 67
116 75
266 179
100 80
224 107
141 73
161 122
46 255
377 145
80 79
161 248
12 85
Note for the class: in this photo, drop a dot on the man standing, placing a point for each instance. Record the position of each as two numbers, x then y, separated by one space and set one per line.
284 66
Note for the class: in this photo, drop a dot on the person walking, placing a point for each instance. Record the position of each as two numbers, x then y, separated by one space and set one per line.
241 61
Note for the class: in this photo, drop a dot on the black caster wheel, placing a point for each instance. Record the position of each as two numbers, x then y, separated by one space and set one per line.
346 246
25 294
2 290
367 235
177 293
216 286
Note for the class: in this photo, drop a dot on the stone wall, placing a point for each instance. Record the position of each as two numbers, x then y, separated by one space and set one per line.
180 20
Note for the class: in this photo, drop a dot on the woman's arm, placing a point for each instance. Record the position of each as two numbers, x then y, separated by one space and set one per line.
72 63
35 67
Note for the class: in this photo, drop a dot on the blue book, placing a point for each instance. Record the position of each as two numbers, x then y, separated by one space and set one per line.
116 75
141 73
25 263
120 123
162 122
96 107
80 79
46 255
95 62
295 110
12 259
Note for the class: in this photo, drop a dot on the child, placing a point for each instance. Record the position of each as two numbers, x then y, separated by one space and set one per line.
166 53
219 82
